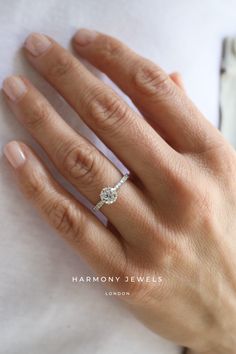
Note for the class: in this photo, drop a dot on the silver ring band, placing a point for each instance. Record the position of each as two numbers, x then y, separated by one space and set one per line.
109 195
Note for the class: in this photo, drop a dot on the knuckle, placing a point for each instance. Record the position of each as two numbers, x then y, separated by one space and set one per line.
110 49
151 81
195 199
65 218
33 186
62 66
202 202
36 115
109 112
81 163
223 161
180 176
188 189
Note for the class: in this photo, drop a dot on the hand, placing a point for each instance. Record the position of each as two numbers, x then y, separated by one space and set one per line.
175 218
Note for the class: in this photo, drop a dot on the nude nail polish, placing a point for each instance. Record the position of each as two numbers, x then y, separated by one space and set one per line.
14 87
37 44
84 36
14 154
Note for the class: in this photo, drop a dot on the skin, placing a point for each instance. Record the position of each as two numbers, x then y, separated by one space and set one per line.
175 216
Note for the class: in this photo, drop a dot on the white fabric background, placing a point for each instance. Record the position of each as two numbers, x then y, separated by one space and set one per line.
41 311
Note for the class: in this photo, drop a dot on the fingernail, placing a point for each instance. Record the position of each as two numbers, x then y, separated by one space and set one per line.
37 44
14 154
85 36
14 87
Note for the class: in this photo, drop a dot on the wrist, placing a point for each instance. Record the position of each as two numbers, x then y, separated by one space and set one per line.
219 338
215 350
221 345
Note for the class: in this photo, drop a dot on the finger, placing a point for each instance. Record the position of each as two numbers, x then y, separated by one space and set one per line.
178 80
74 156
122 130
152 91
72 220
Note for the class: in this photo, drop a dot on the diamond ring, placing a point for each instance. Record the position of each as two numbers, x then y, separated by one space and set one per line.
109 195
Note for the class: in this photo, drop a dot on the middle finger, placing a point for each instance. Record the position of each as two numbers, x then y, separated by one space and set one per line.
102 110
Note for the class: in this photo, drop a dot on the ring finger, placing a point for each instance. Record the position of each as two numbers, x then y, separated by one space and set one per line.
75 157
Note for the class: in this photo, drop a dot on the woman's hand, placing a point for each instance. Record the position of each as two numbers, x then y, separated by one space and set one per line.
175 218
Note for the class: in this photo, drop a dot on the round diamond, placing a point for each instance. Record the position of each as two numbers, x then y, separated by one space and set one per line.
108 195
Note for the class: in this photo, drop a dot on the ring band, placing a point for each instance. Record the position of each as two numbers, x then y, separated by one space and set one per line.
109 195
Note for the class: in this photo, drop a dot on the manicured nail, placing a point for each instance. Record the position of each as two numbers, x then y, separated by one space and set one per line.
14 87
37 44
14 154
85 36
